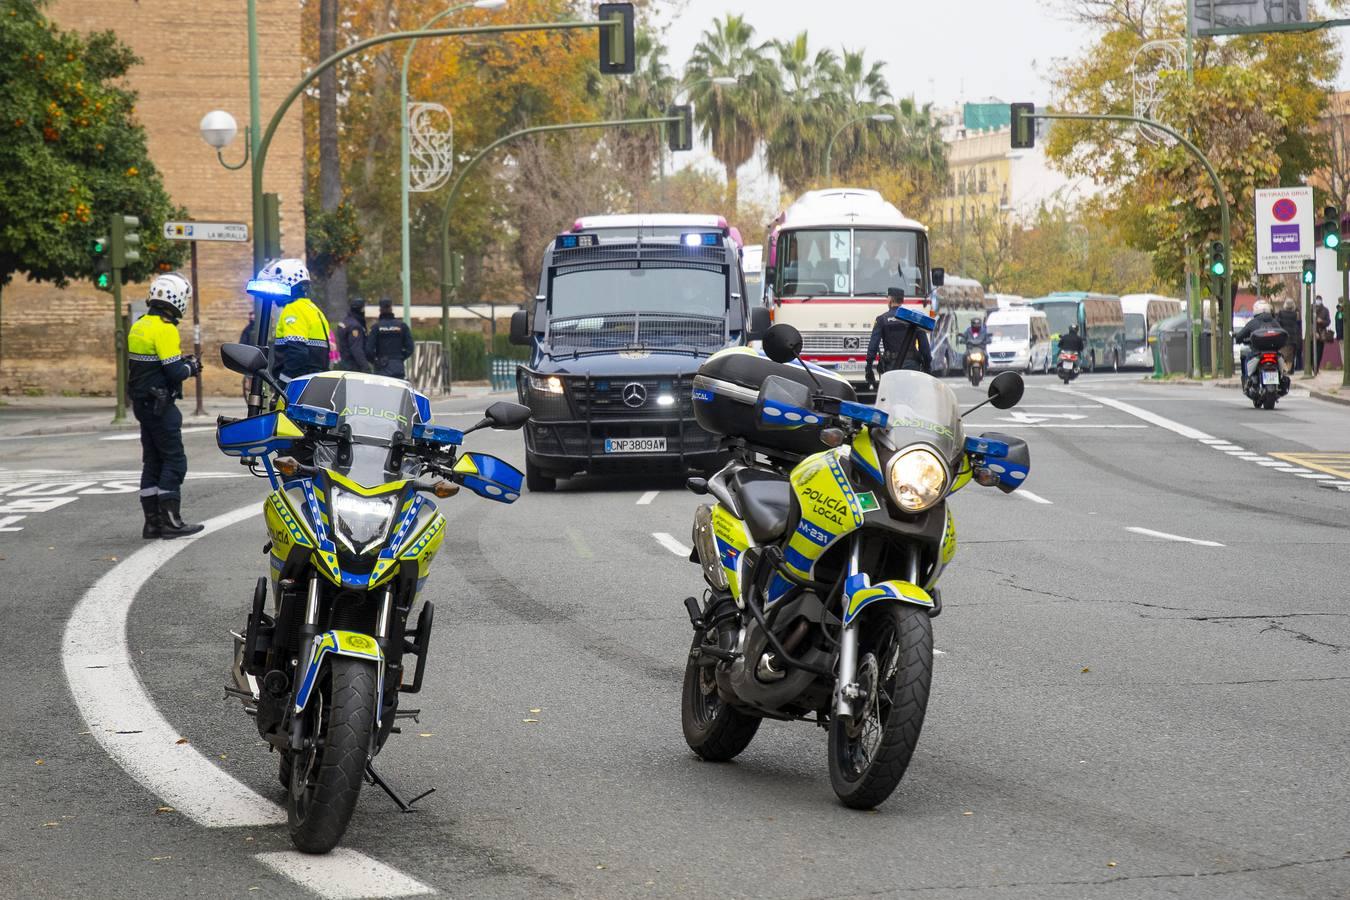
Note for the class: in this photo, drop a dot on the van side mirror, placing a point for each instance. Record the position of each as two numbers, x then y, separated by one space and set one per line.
760 323
939 276
520 328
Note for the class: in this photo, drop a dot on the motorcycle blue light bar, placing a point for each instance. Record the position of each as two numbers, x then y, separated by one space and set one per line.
312 415
996 449
437 434
270 289
861 412
914 317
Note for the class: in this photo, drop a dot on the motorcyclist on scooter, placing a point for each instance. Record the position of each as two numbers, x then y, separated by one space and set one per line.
975 335
1263 319
1071 342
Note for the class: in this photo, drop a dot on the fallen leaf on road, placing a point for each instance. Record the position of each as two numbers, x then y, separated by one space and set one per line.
968 813
537 710
159 858
600 865
1086 670
110 558
426 734
38 762
1111 864
222 756
530 721
50 824
181 741
164 809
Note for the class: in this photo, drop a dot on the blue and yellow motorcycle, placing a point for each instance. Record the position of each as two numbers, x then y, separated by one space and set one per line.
822 552
352 534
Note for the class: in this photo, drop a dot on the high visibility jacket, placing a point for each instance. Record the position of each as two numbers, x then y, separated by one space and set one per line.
302 339
155 357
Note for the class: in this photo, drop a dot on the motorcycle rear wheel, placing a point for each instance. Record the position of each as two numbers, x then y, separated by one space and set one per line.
870 752
326 780
1268 401
712 729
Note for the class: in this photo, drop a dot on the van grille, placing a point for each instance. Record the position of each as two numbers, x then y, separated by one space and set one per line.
637 331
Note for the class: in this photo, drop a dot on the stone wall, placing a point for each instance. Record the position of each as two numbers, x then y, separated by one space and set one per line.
194 59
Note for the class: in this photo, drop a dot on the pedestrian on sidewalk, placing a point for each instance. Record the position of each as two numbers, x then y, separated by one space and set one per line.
351 338
156 370
1322 322
250 333
1292 324
389 343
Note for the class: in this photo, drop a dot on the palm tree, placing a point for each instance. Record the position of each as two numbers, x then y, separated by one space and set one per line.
806 112
731 118
863 91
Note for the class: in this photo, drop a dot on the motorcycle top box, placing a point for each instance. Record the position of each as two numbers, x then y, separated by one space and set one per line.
1268 339
727 387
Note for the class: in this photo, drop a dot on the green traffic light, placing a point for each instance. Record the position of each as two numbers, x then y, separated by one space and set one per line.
103 280
1217 269
1331 240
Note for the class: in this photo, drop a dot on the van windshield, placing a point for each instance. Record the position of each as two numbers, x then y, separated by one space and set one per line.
1009 331
601 292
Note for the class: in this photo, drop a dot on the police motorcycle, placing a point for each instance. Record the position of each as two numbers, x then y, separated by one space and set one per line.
352 534
822 551
1264 379
1066 366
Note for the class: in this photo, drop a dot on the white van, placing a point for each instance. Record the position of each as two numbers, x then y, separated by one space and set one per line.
1019 338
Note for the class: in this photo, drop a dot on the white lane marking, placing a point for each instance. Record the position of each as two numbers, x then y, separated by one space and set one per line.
1269 463
647 498
1228 448
1296 470
671 544
937 652
122 718
1185 431
1213 441
343 874
1059 406
1034 498
1320 476
136 435
1045 425
1149 532
119 712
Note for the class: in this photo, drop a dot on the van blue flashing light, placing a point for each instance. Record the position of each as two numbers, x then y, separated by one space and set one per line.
269 289
914 317
860 412
701 240
573 241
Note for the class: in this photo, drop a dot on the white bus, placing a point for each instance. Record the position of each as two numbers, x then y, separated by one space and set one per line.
832 256
1142 312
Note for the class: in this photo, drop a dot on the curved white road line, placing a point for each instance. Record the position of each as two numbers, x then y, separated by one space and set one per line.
123 719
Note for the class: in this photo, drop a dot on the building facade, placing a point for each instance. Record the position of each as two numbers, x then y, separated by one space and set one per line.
194 58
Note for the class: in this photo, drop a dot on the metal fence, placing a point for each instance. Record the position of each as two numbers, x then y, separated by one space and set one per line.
430 370
502 372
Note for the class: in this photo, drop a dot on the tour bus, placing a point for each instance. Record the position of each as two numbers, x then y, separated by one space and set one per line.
1019 339
1142 312
628 308
959 301
832 256
1100 321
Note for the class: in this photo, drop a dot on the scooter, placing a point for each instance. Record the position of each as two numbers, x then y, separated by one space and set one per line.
1067 366
975 365
1264 380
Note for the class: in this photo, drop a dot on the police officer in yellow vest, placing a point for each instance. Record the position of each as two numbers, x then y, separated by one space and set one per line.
302 332
156 371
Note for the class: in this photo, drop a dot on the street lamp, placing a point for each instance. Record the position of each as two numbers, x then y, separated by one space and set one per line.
218 129
829 148
405 151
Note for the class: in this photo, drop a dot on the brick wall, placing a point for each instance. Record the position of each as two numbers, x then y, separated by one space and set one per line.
194 59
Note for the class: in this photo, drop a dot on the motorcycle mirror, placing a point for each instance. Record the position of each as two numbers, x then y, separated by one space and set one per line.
782 343
1005 391
504 414
245 359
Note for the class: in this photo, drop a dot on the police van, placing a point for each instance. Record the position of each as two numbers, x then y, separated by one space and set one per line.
628 309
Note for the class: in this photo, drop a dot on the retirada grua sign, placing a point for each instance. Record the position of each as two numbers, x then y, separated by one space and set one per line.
1284 229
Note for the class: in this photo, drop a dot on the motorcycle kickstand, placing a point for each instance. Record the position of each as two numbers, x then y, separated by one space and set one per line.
404 805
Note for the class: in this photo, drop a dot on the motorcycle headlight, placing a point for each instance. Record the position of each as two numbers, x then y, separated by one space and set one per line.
917 479
546 384
361 522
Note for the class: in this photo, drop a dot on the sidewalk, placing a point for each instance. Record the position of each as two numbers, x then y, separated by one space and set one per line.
1325 386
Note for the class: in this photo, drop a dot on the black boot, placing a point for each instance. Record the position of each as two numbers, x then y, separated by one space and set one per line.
154 522
173 525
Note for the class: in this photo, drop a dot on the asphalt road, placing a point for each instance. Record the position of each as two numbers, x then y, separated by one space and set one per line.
1116 713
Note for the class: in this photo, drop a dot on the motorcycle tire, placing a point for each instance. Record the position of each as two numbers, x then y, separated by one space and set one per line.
325 783
896 640
536 481
712 729
1268 402
284 769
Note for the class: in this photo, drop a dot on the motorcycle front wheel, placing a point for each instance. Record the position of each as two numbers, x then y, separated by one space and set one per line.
712 729
326 777
870 751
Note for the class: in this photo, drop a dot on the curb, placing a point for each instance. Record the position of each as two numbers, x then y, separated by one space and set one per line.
1329 398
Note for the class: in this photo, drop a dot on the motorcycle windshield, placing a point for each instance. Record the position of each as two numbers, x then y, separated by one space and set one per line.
374 409
920 408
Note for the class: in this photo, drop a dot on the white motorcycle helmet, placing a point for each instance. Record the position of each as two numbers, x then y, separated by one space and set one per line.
292 273
172 291
1261 306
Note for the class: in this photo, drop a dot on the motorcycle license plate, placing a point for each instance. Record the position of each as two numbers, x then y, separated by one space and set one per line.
635 445
1270 378
1066 366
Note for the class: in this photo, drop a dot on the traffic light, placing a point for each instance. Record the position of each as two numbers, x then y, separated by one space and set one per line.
1023 125
124 240
680 135
1309 271
1218 266
617 45
102 265
1331 228
271 236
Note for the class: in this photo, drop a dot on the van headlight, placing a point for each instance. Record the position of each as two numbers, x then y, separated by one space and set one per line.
916 478
546 384
361 522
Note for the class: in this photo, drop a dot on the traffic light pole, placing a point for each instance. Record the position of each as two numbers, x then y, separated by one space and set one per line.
1224 310
119 347
1310 362
446 262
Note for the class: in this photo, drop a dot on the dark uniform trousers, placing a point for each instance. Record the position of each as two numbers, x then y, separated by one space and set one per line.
164 461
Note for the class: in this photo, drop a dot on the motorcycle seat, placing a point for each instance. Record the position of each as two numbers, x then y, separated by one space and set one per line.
765 501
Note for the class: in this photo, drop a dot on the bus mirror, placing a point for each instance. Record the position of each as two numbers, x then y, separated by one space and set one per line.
520 328
939 276
769 279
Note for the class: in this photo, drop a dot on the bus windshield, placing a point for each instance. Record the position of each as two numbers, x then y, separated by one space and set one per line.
600 292
849 262
1060 315
1136 330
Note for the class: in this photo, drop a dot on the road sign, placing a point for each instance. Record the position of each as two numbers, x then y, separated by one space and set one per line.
1210 17
1284 229
234 232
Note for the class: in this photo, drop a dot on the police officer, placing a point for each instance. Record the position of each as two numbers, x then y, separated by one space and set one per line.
156 371
389 342
888 338
351 338
302 332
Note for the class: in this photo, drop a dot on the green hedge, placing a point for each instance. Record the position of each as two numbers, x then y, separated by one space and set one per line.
468 351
